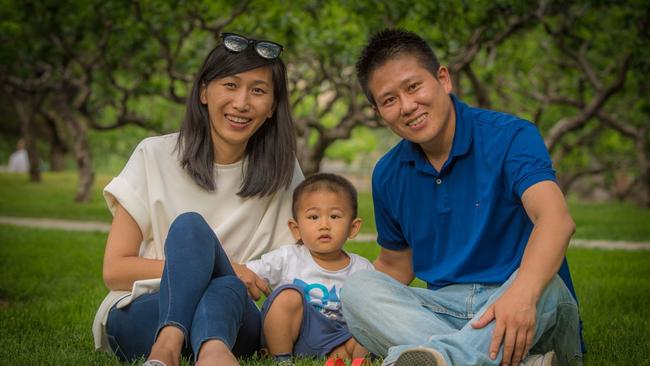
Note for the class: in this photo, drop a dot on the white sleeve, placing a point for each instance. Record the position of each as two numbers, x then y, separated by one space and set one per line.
271 266
361 263
130 190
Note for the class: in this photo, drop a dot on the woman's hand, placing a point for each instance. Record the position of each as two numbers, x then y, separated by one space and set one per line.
253 282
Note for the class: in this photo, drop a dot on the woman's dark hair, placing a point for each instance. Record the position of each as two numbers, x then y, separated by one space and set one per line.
270 152
325 181
390 44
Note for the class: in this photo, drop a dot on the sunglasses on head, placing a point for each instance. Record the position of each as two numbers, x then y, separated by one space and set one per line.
238 43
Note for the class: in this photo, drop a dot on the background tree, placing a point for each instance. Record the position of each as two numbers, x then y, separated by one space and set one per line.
88 64
108 66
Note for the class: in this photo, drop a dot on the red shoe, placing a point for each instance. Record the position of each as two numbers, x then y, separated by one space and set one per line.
360 361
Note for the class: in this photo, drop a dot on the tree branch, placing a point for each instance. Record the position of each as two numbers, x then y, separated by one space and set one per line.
568 124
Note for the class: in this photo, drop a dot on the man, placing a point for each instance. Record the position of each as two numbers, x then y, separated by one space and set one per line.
468 203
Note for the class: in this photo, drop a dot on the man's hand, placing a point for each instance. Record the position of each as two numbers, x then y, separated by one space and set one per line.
253 282
515 316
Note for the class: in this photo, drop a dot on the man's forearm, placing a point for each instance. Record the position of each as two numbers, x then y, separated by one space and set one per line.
399 274
544 252
397 264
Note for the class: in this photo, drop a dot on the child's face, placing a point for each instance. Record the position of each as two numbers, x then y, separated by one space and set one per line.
324 221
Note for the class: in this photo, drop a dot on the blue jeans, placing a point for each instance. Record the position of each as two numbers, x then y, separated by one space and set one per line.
199 294
440 319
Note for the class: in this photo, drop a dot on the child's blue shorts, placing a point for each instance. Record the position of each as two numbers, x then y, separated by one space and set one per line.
319 335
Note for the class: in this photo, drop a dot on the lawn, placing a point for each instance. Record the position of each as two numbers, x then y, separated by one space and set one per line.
54 199
50 281
50 287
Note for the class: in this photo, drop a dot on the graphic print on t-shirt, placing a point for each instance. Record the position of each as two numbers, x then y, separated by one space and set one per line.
324 299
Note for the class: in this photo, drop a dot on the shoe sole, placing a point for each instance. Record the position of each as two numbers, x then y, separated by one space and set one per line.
420 357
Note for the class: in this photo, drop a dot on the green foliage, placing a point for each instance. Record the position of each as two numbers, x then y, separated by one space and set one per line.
141 56
119 142
361 141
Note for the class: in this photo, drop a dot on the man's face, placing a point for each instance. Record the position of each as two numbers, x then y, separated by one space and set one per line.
414 104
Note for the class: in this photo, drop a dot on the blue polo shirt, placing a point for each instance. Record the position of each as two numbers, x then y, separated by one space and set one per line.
464 223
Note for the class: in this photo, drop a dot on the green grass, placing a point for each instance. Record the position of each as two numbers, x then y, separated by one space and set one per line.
611 221
614 291
50 287
54 199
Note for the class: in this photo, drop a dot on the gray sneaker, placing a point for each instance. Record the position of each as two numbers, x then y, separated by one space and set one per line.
547 359
153 363
421 356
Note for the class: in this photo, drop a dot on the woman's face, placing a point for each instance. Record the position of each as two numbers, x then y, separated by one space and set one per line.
237 105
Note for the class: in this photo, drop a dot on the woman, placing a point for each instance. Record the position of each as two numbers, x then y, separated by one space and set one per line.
229 171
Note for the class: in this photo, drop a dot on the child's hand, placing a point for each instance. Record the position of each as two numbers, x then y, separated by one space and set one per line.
253 282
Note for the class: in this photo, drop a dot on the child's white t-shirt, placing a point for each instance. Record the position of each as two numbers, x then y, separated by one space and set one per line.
293 264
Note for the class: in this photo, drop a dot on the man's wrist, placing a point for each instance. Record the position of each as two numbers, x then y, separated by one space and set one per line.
529 289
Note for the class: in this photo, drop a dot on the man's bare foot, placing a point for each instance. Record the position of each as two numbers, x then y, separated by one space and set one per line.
215 353
167 348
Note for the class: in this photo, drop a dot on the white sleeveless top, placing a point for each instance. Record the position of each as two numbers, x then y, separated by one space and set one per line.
154 190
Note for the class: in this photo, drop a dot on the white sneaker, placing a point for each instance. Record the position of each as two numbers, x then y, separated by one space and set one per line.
547 359
153 363
420 356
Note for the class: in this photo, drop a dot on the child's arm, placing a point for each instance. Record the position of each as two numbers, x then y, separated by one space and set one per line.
269 266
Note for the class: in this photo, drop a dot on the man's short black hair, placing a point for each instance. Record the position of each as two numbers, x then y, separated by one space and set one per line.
389 44
325 181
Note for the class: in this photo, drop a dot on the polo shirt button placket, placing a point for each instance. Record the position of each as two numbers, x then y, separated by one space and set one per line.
442 197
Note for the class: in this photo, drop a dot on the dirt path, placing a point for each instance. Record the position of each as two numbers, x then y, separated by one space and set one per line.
73 225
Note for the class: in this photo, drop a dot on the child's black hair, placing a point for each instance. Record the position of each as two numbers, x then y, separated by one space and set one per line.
321 181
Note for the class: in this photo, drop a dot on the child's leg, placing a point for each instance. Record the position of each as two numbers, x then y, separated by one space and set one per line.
341 351
349 350
357 349
282 322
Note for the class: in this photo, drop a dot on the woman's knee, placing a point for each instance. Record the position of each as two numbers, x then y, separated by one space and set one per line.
187 229
188 221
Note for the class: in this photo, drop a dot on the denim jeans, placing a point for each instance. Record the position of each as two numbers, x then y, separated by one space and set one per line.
199 294
388 317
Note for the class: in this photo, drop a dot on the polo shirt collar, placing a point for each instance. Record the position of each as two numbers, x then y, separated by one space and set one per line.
462 136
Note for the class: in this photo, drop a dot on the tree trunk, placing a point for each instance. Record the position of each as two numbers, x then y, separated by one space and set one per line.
79 132
310 158
58 148
83 160
26 115
57 156
643 157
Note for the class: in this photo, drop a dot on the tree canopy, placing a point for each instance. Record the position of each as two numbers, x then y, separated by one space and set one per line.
577 69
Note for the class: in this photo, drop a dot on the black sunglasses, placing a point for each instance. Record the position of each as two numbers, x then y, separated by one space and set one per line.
265 49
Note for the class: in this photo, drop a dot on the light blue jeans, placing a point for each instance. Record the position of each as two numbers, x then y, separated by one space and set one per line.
388 317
